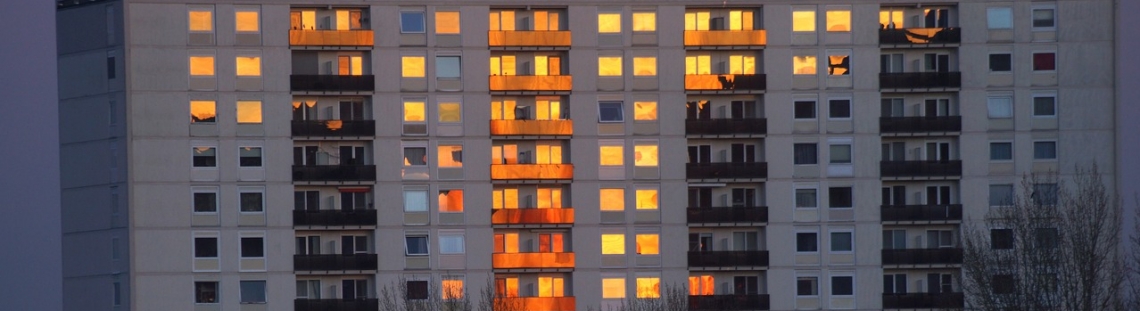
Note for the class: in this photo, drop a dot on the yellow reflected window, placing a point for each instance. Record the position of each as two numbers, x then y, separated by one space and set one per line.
202 111
648 244
414 112
505 198
547 21
696 21
611 199
551 286
613 244
701 285
890 19
548 110
741 64
804 65
248 66
507 243
413 66
610 155
613 288
201 21
450 113
838 65
644 21
201 65
803 20
503 65
646 198
450 156
447 22
248 111
503 20
698 65
644 111
549 198
645 66
350 65
451 201
609 22
740 20
548 153
648 287
838 20
452 289
246 21
609 66
645 155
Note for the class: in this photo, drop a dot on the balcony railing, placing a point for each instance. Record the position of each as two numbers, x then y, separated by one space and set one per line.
947 212
531 83
332 262
334 217
753 126
726 170
332 83
726 82
334 173
924 301
535 303
920 36
728 259
922 256
532 171
532 127
934 168
725 37
532 216
362 304
334 128
528 38
728 302
360 37
920 124
704 215
920 80
532 260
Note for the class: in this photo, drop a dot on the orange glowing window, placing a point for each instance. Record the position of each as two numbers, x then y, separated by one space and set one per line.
609 23
248 111
644 111
696 21
701 285
246 21
645 155
644 21
550 243
201 20
610 155
413 111
890 19
645 66
740 20
201 65
698 65
505 198
549 198
612 199
838 64
648 287
742 65
609 66
613 288
648 244
450 156
803 20
613 244
804 65
838 20
647 199
507 287
447 22
551 286
203 111
452 288
450 112
506 243
451 201
412 66
248 66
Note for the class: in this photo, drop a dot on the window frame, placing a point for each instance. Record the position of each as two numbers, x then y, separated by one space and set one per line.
419 235
813 10
1043 142
1001 142
427 200
1048 94
815 158
213 105
260 156
620 118
990 110
598 17
458 67
205 235
249 104
242 292
422 21
447 100
655 144
247 9
836 8
242 236
800 231
633 19
194 165
831 240
404 69
1033 61
851 197
830 110
439 154
204 189
831 153
609 57
199 291
213 20
814 58
796 107
814 278
255 56
842 274
645 58
241 204
450 210
1007 14
990 62
656 112
1041 7
202 54
436 22
1011 196
458 233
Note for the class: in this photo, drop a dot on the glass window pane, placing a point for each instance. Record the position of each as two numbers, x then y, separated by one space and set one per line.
450 113
838 20
1001 151
804 109
610 155
609 22
613 244
447 67
252 291
412 66
806 198
999 18
411 22
1043 18
450 156
647 244
647 199
248 66
804 154
1001 195
451 201
839 64
842 286
645 66
414 112
803 20
645 155
612 199
414 156
613 288
1000 107
1044 61
246 21
1044 150
252 247
803 65
645 111
841 242
251 202
201 65
1044 106
451 244
415 201
840 154
644 21
202 111
249 112
610 112
839 108
609 66
648 287
805 242
205 202
201 21
1001 62
447 22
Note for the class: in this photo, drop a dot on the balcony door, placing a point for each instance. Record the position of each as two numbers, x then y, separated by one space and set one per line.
700 197
892 107
745 241
894 195
936 18
551 242
894 239
938 151
939 238
891 63
308 289
894 284
551 286
700 154
354 289
700 242
743 197
939 107
938 195
305 110
308 245
353 199
936 62
895 151
353 244
743 153
352 110
698 110
305 155
306 200
350 65
745 285
939 283
352 155
743 109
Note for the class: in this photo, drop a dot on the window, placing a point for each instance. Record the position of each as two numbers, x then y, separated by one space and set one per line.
645 154
1001 238
840 197
613 244
804 109
1001 62
414 112
803 64
612 199
609 66
1044 150
201 20
450 156
415 156
610 112
1044 194
252 202
246 21
1045 105
1003 284
842 241
839 109
1044 61
804 20
646 199
1001 151
644 21
452 287
205 202
451 243
840 154
807 286
648 244
416 245
609 23
205 247
644 111
415 201
252 247
450 201
248 66
117 294
839 20
248 111
648 287
205 157
805 154
249 156
839 63
842 285
644 66
203 111
110 65
205 292
1044 18
412 66
411 22
416 289
806 198
807 242
1001 195
447 67
252 291
698 65
446 22
202 65
999 107
450 112
613 288
999 18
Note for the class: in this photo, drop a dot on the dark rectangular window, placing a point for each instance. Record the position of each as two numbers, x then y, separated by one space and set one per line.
252 291
110 67
805 154
417 289
205 247
249 156
839 108
1044 106
839 197
1044 194
416 245
1001 238
1043 18
1001 62
1001 151
1044 150
806 242
306 200
206 292
806 286
1003 284
1044 61
252 247
411 22
610 112
205 157
415 156
1045 238
205 202
842 286
804 109
252 202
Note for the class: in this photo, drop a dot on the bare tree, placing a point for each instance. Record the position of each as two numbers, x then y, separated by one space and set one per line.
397 296
1053 247
491 299
671 297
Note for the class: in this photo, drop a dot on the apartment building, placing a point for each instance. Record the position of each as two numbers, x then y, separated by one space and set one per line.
568 155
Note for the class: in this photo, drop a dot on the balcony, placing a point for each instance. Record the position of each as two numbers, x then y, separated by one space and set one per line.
727 170
728 302
334 217
920 36
532 260
500 38
920 80
950 212
334 262
922 256
728 259
561 83
924 301
920 124
535 303
936 168
532 127
334 173
363 304
334 128
331 83
532 171
714 38
726 82
533 216
711 215
749 126
359 37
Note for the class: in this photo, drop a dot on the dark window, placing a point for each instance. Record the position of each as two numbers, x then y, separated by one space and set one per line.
1001 151
804 109
1003 284
610 112
252 291
252 247
842 285
110 67
1044 150
806 242
1001 238
415 156
1001 62
416 245
1044 106
205 202
1044 194
839 108
1044 61
839 197
205 247
1043 18
805 154
841 242
251 202
806 286
417 290
411 22
1045 238
306 200
806 198
206 292
1001 195
249 156
205 157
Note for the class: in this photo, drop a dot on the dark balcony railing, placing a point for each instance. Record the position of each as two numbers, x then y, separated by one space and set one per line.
920 80
332 83
922 256
726 170
924 301
307 37
934 168
332 262
334 128
728 302
532 171
362 304
704 215
531 83
726 82
532 260
534 303
334 173
528 38
728 259
754 126
921 212
725 37
920 124
532 127
532 216
334 217
920 36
